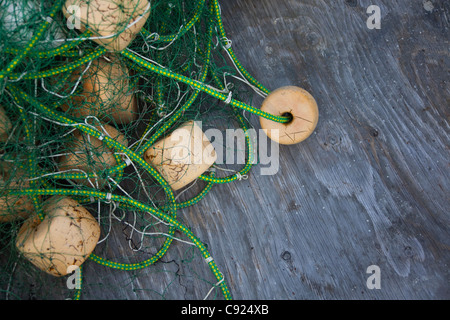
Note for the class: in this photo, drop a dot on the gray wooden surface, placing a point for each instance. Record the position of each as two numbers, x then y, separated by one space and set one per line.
369 187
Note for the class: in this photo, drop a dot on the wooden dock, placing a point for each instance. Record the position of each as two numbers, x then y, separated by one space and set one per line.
370 187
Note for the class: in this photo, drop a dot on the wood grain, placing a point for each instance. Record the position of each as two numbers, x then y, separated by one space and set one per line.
369 187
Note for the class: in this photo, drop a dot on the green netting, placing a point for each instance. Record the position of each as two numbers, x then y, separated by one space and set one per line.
77 116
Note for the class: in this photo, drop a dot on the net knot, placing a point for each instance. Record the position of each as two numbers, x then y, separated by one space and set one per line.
48 19
127 161
209 259
240 176
228 100
154 35
161 112
227 43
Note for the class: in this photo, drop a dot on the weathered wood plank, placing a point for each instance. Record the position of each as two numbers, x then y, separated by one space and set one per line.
369 187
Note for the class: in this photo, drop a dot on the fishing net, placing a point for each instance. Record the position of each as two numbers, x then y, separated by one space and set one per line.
91 93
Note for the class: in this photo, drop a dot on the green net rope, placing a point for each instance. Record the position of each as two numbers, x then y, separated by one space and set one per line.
177 63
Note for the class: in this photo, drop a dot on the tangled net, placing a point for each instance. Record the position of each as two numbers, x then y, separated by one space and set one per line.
82 101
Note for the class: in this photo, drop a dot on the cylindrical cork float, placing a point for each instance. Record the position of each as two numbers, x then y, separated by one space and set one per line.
91 155
5 125
182 156
64 238
13 207
104 92
114 24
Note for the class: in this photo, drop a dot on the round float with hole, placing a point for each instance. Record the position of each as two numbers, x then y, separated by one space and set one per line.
296 103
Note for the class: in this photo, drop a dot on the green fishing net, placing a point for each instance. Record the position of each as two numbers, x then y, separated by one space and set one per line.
87 87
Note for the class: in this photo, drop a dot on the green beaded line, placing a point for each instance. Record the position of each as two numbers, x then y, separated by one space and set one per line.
182 31
211 179
65 68
140 265
248 164
223 37
75 53
31 160
23 53
90 175
32 163
249 145
159 86
239 174
167 125
97 53
187 105
197 198
178 205
75 175
143 207
111 143
61 50
200 86
96 134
